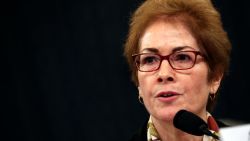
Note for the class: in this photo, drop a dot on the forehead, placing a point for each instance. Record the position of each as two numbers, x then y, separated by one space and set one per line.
165 36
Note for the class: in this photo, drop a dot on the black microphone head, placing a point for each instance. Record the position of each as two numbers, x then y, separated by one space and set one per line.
189 123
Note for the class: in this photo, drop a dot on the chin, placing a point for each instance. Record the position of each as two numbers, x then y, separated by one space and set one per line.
166 115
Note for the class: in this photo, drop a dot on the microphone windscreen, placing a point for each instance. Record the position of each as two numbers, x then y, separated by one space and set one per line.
189 123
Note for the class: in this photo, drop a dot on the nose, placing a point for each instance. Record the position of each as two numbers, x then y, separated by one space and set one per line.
165 73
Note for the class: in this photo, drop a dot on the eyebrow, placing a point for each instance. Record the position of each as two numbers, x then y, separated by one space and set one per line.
155 50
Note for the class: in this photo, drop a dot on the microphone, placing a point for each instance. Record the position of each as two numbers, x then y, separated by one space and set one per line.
192 124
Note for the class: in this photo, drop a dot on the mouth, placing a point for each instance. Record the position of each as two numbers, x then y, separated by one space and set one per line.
167 94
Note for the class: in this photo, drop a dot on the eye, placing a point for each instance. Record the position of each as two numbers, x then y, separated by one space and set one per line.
182 57
147 59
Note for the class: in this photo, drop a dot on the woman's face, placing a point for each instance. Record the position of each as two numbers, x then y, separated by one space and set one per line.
188 89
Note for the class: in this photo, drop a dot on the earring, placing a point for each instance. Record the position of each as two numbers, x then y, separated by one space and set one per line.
140 99
212 96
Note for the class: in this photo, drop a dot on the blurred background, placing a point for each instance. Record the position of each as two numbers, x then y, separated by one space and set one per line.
64 77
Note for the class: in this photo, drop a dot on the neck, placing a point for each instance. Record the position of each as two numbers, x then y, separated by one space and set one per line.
168 132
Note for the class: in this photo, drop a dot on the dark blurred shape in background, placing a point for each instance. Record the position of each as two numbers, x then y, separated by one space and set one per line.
64 77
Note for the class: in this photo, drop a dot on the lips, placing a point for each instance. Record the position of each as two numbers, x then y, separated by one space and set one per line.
167 94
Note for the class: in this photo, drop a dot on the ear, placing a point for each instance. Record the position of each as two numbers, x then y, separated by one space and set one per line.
215 84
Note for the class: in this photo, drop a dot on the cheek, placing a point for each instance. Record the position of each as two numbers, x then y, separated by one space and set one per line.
198 81
199 86
199 75
145 82
141 81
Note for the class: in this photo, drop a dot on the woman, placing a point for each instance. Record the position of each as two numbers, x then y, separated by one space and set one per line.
178 53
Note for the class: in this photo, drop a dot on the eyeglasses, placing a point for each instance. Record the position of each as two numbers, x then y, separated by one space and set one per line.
180 60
